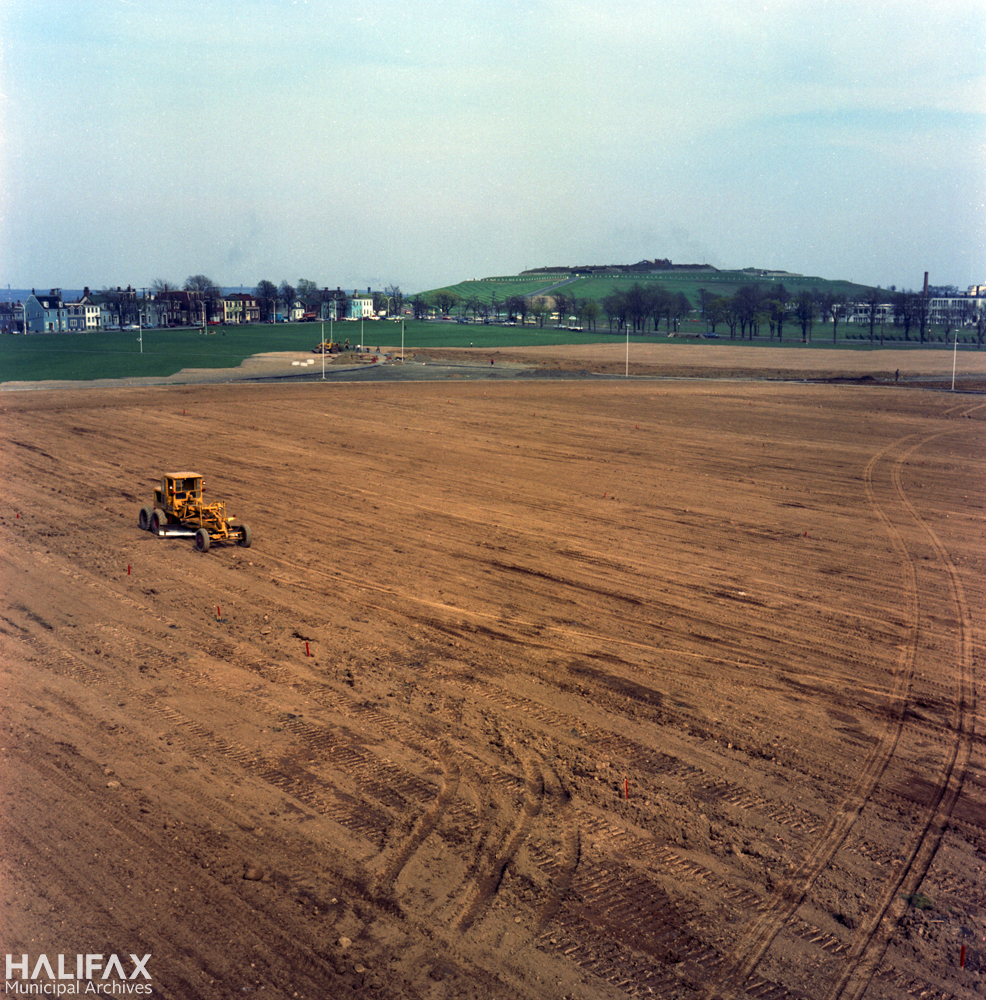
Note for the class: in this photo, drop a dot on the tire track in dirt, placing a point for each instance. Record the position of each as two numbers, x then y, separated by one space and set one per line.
145 848
740 965
746 955
393 788
562 863
358 817
874 935
385 883
497 849
647 758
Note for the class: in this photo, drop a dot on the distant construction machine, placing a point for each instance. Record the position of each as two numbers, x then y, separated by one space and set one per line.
180 512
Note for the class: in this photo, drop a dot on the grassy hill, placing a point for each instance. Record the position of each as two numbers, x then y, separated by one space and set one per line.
597 286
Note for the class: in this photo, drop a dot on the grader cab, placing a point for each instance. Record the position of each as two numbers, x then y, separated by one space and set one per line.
180 510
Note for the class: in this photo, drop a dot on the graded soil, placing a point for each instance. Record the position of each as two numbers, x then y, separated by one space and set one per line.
525 690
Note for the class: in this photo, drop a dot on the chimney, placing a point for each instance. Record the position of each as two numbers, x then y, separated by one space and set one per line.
925 284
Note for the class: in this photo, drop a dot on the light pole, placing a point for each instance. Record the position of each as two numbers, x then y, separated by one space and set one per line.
955 349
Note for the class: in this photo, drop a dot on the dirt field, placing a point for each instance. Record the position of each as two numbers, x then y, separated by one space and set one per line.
526 690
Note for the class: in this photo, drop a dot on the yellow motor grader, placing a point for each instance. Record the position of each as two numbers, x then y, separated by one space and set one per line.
180 511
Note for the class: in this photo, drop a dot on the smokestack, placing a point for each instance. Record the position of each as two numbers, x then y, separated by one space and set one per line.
925 284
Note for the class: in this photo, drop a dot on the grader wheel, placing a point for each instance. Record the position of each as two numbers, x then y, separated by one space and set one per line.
159 520
144 518
247 540
202 540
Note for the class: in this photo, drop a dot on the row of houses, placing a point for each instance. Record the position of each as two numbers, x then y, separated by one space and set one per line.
124 308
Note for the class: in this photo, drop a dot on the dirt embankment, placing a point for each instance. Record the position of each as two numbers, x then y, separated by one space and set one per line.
671 359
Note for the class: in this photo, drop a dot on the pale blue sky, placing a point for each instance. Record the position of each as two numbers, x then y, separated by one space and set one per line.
420 144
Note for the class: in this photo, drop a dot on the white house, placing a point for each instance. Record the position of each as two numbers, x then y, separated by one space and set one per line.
81 315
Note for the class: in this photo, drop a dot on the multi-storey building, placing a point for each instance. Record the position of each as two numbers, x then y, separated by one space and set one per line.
361 306
240 308
46 313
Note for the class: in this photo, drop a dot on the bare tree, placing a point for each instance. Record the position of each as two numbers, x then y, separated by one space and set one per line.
396 296
904 312
420 305
538 308
266 292
777 309
873 301
561 306
200 283
837 307
445 300
614 305
659 303
715 311
748 300
922 311
590 313
804 312
731 309
680 309
286 293
208 294
514 305
639 305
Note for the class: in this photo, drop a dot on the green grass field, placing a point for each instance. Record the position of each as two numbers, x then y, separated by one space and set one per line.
84 357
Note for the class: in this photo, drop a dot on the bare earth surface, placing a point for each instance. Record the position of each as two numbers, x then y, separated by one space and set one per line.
526 688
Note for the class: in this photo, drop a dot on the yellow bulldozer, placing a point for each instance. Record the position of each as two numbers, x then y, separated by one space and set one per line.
180 511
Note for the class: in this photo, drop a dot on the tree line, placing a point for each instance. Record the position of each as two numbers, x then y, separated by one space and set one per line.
751 312
270 295
752 308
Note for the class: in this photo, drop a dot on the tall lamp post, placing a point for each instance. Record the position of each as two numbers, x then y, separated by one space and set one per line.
955 352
